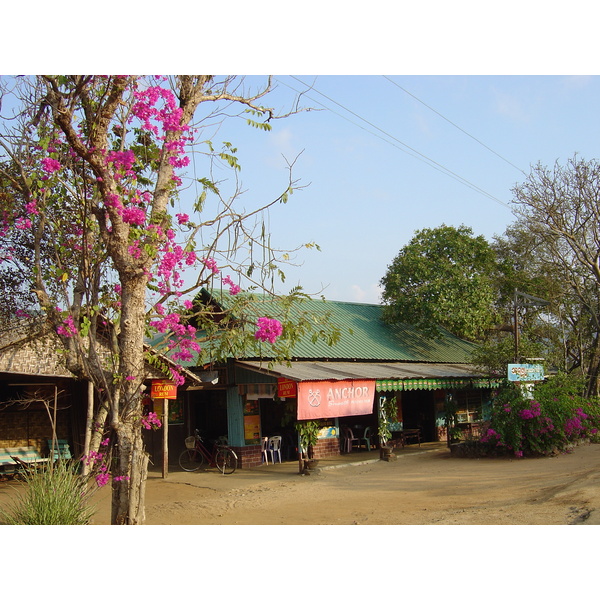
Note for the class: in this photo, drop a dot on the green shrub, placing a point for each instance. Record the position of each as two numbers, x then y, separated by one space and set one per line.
53 495
551 420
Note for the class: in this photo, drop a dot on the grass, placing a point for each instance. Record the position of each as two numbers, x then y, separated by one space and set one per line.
54 494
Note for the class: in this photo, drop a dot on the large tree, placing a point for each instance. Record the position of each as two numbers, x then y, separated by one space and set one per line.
442 277
560 208
95 225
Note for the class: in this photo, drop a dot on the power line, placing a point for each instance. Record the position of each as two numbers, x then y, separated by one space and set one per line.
454 125
416 154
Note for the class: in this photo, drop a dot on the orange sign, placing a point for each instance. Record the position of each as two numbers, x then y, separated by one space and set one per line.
286 388
327 399
163 388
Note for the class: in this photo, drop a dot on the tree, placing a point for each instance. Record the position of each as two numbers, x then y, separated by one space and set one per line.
94 224
442 277
554 331
560 207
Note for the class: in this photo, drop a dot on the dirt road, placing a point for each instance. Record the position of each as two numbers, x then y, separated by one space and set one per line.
427 488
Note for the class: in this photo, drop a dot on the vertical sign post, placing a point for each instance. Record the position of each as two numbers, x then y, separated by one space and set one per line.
164 389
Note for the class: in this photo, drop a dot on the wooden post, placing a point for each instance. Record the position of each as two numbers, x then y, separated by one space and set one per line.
165 468
88 426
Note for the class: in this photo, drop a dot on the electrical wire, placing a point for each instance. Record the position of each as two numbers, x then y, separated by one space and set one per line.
415 153
455 125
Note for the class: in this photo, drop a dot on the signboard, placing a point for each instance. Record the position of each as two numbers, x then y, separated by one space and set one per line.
175 410
525 372
328 399
251 422
286 388
163 388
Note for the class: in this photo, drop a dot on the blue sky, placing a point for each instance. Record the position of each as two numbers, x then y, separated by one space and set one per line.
509 87
385 156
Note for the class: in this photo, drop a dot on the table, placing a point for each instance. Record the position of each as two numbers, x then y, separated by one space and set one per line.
411 434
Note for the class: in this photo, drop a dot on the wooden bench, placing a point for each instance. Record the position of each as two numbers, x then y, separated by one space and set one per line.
61 450
22 457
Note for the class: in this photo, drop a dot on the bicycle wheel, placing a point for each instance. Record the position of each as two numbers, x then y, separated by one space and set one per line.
226 460
191 460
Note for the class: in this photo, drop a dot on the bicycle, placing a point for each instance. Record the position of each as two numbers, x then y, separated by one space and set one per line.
196 456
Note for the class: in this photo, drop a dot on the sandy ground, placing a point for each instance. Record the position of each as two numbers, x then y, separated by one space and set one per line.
422 487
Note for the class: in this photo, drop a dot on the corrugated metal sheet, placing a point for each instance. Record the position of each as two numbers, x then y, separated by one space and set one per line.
364 336
314 371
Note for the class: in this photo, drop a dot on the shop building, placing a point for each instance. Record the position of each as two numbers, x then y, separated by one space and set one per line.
342 386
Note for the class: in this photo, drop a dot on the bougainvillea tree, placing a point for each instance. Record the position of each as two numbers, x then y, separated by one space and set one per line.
96 237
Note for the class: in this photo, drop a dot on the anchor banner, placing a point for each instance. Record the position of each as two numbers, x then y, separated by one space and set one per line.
327 399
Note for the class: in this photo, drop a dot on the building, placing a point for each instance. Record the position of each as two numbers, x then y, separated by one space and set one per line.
250 397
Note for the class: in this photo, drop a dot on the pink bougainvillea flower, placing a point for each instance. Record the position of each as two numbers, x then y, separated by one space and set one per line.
50 165
268 330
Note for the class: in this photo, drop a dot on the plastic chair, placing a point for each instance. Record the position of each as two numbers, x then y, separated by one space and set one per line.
275 447
349 440
265 449
366 439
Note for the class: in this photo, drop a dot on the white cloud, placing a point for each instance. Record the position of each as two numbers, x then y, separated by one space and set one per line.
370 295
282 142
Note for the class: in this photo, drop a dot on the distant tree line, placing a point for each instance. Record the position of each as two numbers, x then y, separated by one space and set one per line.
542 276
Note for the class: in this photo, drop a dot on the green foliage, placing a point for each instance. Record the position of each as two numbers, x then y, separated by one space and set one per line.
551 419
495 353
309 433
55 494
442 277
387 415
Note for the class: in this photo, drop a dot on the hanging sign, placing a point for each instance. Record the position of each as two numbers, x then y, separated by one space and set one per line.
163 388
286 388
328 399
525 372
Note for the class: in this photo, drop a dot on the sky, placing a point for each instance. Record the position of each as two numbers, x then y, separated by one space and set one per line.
520 77
382 157
423 116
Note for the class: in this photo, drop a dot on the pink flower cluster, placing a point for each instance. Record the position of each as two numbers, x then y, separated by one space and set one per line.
490 436
67 329
211 264
151 421
50 165
534 410
268 330
234 289
122 162
172 261
184 336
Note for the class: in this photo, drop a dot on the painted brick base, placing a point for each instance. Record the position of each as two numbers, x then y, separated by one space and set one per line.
251 456
327 447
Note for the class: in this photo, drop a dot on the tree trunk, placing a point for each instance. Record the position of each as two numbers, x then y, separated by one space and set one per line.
128 495
593 389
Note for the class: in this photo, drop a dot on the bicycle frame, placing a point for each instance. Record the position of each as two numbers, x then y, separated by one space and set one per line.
222 457
209 456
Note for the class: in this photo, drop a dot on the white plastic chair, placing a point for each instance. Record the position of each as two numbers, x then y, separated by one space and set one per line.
265 449
275 447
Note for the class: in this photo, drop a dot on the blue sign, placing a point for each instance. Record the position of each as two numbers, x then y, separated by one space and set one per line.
525 372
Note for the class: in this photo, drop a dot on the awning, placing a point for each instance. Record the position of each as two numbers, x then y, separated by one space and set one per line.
433 384
389 376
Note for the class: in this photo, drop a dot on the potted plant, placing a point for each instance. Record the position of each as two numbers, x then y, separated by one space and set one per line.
309 436
387 415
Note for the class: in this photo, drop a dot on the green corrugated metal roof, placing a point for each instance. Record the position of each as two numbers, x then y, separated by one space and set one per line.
364 336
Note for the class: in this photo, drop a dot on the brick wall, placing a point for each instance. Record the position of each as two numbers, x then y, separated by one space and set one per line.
248 456
327 447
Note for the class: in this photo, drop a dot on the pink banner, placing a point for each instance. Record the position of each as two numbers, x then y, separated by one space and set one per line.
326 399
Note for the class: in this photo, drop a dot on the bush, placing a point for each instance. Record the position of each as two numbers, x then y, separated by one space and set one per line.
552 420
55 494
